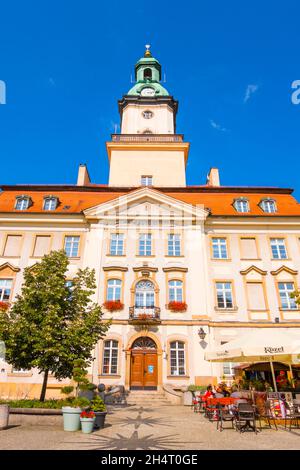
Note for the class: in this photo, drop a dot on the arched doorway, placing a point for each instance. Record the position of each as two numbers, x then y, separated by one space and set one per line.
143 370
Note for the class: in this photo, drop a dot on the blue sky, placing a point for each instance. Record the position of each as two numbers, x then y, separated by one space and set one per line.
230 64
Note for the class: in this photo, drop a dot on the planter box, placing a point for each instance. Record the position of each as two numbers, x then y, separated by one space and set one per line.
35 417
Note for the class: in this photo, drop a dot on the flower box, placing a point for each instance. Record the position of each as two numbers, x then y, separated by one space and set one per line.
177 306
4 306
113 305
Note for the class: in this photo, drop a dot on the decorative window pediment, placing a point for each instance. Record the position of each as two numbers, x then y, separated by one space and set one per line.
286 269
253 268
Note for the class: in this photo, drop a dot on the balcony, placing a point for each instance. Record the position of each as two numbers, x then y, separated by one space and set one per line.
137 138
144 315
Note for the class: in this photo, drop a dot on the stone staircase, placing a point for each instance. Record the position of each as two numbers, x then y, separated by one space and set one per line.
147 398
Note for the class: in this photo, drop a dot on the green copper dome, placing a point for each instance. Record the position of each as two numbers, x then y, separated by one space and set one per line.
148 76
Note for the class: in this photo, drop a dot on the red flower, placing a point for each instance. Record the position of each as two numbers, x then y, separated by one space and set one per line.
4 306
87 414
144 316
113 305
177 306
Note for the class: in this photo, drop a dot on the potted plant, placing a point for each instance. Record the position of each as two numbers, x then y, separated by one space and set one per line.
100 411
87 420
71 413
175 306
113 305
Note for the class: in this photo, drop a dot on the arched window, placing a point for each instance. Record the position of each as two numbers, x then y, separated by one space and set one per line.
50 203
110 357
268 205
113 289
147 74
241 205
144 294
22 203
177 358
144 343
175 291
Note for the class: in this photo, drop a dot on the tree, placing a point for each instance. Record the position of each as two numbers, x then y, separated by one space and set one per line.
51 325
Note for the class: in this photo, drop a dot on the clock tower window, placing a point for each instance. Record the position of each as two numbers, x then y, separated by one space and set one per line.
148 74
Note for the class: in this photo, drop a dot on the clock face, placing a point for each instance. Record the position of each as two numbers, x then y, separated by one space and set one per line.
147 91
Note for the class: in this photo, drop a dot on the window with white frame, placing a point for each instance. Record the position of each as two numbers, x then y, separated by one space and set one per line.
146 180
285 291
113 289
117 244
224 295
145 244
22 203
219 248
5 289
110 357
72 246
278 248
173 244
50 203
241 205
268 205
175 291
177 358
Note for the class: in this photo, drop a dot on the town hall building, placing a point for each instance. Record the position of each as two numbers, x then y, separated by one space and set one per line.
180 269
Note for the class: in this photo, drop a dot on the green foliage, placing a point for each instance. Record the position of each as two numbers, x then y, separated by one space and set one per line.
48 328
196 388
97 404
52 404
67 390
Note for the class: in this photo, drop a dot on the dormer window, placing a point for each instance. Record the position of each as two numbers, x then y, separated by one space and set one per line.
146 180
22 203
241 205
50 203
147 74
268 205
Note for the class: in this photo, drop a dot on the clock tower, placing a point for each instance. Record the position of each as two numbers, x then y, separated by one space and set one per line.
148 148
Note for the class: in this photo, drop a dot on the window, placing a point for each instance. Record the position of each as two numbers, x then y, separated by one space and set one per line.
146 180
228 368
255 295
5 289
50 203
113 289
177 357
285 290
145 244
69 286
41 245
117 244
72 246
219 246
12 245
175 291
147 74
224 295
22 203
278 248
110 357
241 205
173 244
144 295
248 248
268 205
147 114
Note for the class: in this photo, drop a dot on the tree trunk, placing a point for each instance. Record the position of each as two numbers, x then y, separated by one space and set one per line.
44 387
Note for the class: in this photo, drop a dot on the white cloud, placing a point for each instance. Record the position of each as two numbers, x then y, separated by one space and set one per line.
217 126
250 90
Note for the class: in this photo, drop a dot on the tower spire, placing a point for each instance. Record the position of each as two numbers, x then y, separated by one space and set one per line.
147 51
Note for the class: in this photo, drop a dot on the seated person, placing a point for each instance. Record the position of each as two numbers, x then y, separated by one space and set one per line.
219 392
208 393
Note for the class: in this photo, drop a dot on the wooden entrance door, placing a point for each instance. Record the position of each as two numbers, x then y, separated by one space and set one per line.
143 370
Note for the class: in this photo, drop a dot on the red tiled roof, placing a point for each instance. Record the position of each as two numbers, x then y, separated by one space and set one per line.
74 199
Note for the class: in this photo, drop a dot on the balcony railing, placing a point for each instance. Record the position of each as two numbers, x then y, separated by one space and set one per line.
147 137
144 314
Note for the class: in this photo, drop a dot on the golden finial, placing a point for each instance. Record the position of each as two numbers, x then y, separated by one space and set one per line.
147 51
